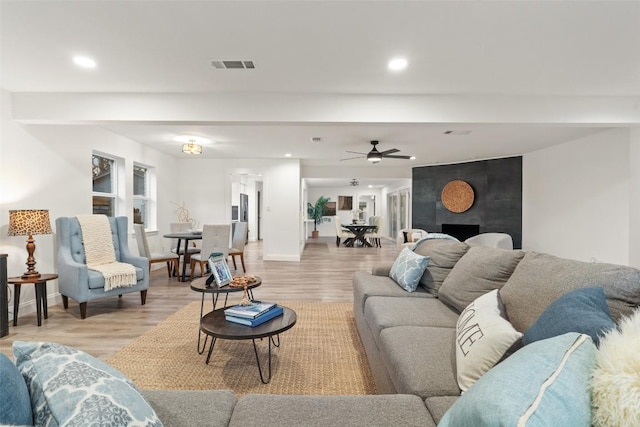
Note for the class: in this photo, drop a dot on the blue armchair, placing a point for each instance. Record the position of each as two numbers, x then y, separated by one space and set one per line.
76 281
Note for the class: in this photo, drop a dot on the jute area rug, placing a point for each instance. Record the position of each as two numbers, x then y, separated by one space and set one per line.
321 354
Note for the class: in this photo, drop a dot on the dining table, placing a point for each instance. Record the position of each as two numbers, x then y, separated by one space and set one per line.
185 236
359 231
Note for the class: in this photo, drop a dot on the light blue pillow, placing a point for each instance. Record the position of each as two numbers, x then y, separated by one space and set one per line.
15 404
70 387
407 269
543 384
582 310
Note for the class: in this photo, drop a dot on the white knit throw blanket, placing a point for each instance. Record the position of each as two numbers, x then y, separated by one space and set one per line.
101 256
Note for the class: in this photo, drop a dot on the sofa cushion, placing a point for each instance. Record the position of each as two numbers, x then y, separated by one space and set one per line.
482 338
15 403
479 271
439 405
366 285
67 386
254 410
420 360
615 385
539 279
443 254
192 408
383 312
408 268
582 310
554 393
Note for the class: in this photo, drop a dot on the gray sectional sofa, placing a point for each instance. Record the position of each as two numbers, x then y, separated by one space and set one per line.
409 338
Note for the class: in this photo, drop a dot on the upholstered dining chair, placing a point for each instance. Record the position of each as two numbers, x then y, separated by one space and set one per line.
215 238
77 281
375 235
340 233
238 242
143 250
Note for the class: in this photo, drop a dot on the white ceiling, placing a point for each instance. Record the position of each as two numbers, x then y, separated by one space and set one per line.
529 48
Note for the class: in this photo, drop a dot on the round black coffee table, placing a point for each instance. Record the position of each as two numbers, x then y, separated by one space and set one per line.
216 326
200 285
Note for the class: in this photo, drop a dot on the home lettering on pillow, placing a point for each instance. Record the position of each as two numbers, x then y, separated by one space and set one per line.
468 333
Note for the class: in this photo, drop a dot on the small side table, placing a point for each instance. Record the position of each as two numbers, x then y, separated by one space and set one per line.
41 294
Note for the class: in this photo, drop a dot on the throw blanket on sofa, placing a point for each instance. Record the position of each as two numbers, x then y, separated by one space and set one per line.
100 254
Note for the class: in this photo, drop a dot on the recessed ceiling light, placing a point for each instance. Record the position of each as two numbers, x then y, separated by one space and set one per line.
84 62
412 158
287 155
370 186
397 64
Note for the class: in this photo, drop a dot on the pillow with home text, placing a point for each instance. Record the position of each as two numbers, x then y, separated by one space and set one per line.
483 336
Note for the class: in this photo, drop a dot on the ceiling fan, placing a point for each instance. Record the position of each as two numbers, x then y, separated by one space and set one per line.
375 156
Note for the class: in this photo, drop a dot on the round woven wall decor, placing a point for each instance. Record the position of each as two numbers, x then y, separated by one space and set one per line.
457 196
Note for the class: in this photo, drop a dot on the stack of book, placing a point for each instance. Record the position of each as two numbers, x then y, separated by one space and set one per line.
253 315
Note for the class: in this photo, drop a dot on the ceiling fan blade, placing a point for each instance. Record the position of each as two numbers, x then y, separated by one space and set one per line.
356 152
351 158
396 157
393 150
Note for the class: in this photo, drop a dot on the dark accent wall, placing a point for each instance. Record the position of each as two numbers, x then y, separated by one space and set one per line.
497 207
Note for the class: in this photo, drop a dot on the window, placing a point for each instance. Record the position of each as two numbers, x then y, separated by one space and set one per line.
104 185
141 195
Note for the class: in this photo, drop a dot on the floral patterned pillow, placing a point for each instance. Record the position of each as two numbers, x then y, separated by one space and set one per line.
70 387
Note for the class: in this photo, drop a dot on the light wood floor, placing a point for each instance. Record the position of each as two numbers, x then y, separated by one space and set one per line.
324 274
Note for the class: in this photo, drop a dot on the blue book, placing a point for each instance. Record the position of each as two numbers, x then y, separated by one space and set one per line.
275 312
257 308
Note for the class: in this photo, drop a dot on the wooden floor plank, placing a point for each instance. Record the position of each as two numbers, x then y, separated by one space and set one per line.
323 274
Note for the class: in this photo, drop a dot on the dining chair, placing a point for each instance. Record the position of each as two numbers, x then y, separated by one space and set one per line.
215 238
238 242
375 235
340 233
143 249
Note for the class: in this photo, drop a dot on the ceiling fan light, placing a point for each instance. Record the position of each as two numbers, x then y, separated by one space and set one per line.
374 157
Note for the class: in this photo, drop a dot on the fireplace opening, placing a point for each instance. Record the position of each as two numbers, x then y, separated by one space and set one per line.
461 231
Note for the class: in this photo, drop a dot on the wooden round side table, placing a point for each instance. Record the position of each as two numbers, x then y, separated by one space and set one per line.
41 294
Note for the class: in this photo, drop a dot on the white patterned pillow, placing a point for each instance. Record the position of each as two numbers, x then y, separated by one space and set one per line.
407 269
483 336
70 387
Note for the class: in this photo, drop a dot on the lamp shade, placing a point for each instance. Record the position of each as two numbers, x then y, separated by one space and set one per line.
192 148
29 222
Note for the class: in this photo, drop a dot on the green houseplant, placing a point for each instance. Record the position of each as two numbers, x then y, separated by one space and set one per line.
315 212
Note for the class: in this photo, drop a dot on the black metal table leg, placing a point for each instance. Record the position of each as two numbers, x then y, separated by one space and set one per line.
213 342
184 258
255 350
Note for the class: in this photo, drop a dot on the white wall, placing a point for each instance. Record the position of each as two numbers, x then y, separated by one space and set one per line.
576 198
205 188
49 167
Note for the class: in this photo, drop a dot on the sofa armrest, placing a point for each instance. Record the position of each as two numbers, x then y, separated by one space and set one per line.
382 269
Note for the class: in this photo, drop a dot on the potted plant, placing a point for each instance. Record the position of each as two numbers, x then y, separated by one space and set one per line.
315 212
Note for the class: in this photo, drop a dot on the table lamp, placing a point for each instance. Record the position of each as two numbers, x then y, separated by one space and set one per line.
27 223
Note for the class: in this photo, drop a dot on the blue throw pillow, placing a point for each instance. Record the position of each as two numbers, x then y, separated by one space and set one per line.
71 387
582 310
407 269
15 403
543 384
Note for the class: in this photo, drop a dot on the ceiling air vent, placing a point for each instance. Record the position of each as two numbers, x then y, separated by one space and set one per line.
233 65
457 132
